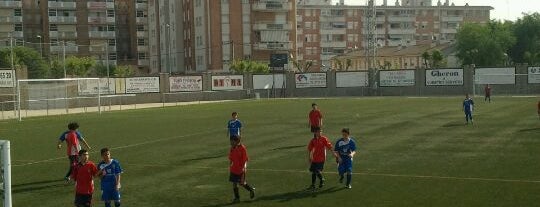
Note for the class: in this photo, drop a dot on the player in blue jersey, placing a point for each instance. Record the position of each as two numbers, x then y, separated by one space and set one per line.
234 126
109 171
346 149
468 105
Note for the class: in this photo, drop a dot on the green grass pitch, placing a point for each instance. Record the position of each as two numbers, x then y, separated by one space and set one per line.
411 152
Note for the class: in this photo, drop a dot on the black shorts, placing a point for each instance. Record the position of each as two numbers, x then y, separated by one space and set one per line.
83 200
316 166
313 128
235 178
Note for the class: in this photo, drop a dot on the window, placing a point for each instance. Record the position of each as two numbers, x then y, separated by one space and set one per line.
112 42
111 27
307 25
140 13
198 21
141 42
53 27
197 3
54 42
110 13
53 12
140 28
112 56
17 12
199 60
18 27
142 56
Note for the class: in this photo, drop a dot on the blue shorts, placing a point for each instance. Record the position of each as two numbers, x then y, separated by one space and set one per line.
345 166
110 195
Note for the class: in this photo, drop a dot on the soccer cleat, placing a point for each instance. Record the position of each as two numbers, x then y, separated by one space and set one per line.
252 193
67 179
348 187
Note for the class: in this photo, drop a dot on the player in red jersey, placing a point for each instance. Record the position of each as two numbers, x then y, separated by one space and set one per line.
539 109
72 138
83 174
238 158
487 92
315 118
317 156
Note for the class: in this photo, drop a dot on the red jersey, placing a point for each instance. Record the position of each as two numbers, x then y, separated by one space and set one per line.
315 117
72 138
487 89
317 148
83 174
238 157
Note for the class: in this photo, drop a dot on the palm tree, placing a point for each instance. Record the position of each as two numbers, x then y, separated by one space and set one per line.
427 57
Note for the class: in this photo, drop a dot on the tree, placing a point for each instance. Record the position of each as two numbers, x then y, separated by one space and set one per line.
25 56
248 66
437 59
484 45
338 64
348 64
79 66
527 33
124 71
101 70
427 57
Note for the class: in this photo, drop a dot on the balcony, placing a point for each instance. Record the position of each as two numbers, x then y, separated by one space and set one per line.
101 49
142 34
92 5
101 20
102 34
452 19
141 20
62 35
332 19
327 56
17 34
10 4
381 19
272 6
401 19
62 5
60 48
298 18
331 31
11 19
408 31
449 31
61 19
273 46
272 26
141 6
341 44
143 62
142 48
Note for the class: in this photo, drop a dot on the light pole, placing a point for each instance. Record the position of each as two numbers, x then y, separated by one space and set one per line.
40 45
169 48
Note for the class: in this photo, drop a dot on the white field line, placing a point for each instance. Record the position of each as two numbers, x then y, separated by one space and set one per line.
119 147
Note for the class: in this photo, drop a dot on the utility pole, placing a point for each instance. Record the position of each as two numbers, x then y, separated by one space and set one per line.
232 51
371 50
11 51
40 45
64 57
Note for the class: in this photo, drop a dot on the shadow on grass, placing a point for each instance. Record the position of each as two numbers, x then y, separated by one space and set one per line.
289 196
529 130
453 124
40 185
288 147
205 158
285 197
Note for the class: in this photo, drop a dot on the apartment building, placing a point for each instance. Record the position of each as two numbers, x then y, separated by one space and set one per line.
207 35
326 30
103 29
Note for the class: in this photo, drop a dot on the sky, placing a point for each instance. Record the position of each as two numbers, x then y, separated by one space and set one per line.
504 9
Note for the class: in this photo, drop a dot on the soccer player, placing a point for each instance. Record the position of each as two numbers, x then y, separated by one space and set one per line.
72 138
234 126
238 158
346 149
109 171
83 174
487 92
468 104
539 109
317 156
315 118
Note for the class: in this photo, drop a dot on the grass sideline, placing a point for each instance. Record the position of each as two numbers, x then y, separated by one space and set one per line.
412 152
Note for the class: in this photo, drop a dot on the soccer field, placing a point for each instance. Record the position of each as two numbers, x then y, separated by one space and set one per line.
411 152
